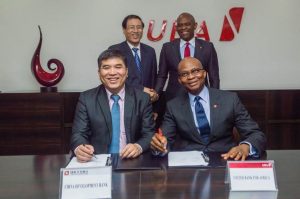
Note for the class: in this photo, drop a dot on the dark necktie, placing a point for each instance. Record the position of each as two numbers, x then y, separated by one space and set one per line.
187 52
115 116
137 59
202 121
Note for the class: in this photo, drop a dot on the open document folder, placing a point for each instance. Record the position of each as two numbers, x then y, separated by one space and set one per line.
97 161
187 158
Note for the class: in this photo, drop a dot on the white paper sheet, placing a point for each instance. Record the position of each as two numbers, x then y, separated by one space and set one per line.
187 158
78 183
99 162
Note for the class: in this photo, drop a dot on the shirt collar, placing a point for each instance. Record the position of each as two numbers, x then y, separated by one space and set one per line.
131 46
121 93
203 94
192 42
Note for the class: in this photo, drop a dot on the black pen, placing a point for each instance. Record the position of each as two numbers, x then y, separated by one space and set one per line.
94 156
108 161
205 157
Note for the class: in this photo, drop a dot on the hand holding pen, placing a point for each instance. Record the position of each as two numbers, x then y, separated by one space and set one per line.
85 153
91 148
159 142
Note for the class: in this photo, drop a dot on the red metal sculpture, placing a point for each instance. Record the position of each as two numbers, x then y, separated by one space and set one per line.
43 77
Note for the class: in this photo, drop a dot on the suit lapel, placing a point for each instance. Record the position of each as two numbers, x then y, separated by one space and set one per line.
104 106
176 50
188 115
128 54
214 109
144 56
198 48
128 109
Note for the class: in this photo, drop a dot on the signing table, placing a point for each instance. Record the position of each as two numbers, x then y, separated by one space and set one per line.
37 177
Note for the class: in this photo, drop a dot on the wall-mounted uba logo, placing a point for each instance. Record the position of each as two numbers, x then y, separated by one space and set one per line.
230 23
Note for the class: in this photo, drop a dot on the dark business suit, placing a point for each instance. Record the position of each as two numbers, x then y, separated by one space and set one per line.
92 123
226 112
149 65
170 58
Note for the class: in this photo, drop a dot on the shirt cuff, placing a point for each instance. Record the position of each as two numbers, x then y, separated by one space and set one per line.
252 152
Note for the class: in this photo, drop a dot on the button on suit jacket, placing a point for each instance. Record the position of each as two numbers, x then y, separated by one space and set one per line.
92 122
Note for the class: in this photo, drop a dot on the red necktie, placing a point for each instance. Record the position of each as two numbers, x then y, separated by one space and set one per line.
187 52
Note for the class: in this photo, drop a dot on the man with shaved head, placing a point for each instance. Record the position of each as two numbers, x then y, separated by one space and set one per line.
204 118
186 46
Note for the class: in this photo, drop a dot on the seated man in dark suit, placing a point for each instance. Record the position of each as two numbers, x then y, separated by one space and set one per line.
142 65
113 117
204 118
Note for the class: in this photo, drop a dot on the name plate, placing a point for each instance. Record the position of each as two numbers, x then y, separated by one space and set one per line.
92 182
251 175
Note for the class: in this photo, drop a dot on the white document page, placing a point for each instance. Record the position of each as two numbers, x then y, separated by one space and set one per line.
187 158
99 161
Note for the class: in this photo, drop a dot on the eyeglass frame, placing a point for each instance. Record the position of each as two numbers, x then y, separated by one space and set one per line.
194 72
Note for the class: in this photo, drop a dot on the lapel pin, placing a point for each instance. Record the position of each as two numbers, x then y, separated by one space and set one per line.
215 105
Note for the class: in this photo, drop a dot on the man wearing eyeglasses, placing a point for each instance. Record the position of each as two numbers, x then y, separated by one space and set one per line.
142 65
204 119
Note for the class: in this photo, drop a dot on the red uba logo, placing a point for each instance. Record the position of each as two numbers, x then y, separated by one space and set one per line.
236 15
227 33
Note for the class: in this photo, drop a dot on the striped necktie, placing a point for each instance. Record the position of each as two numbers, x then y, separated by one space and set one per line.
137 59
202 121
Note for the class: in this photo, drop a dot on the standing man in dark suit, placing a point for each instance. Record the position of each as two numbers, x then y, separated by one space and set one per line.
187 46
113 117
204 118
142 65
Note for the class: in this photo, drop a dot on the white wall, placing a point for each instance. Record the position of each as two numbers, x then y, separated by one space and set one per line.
264 55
